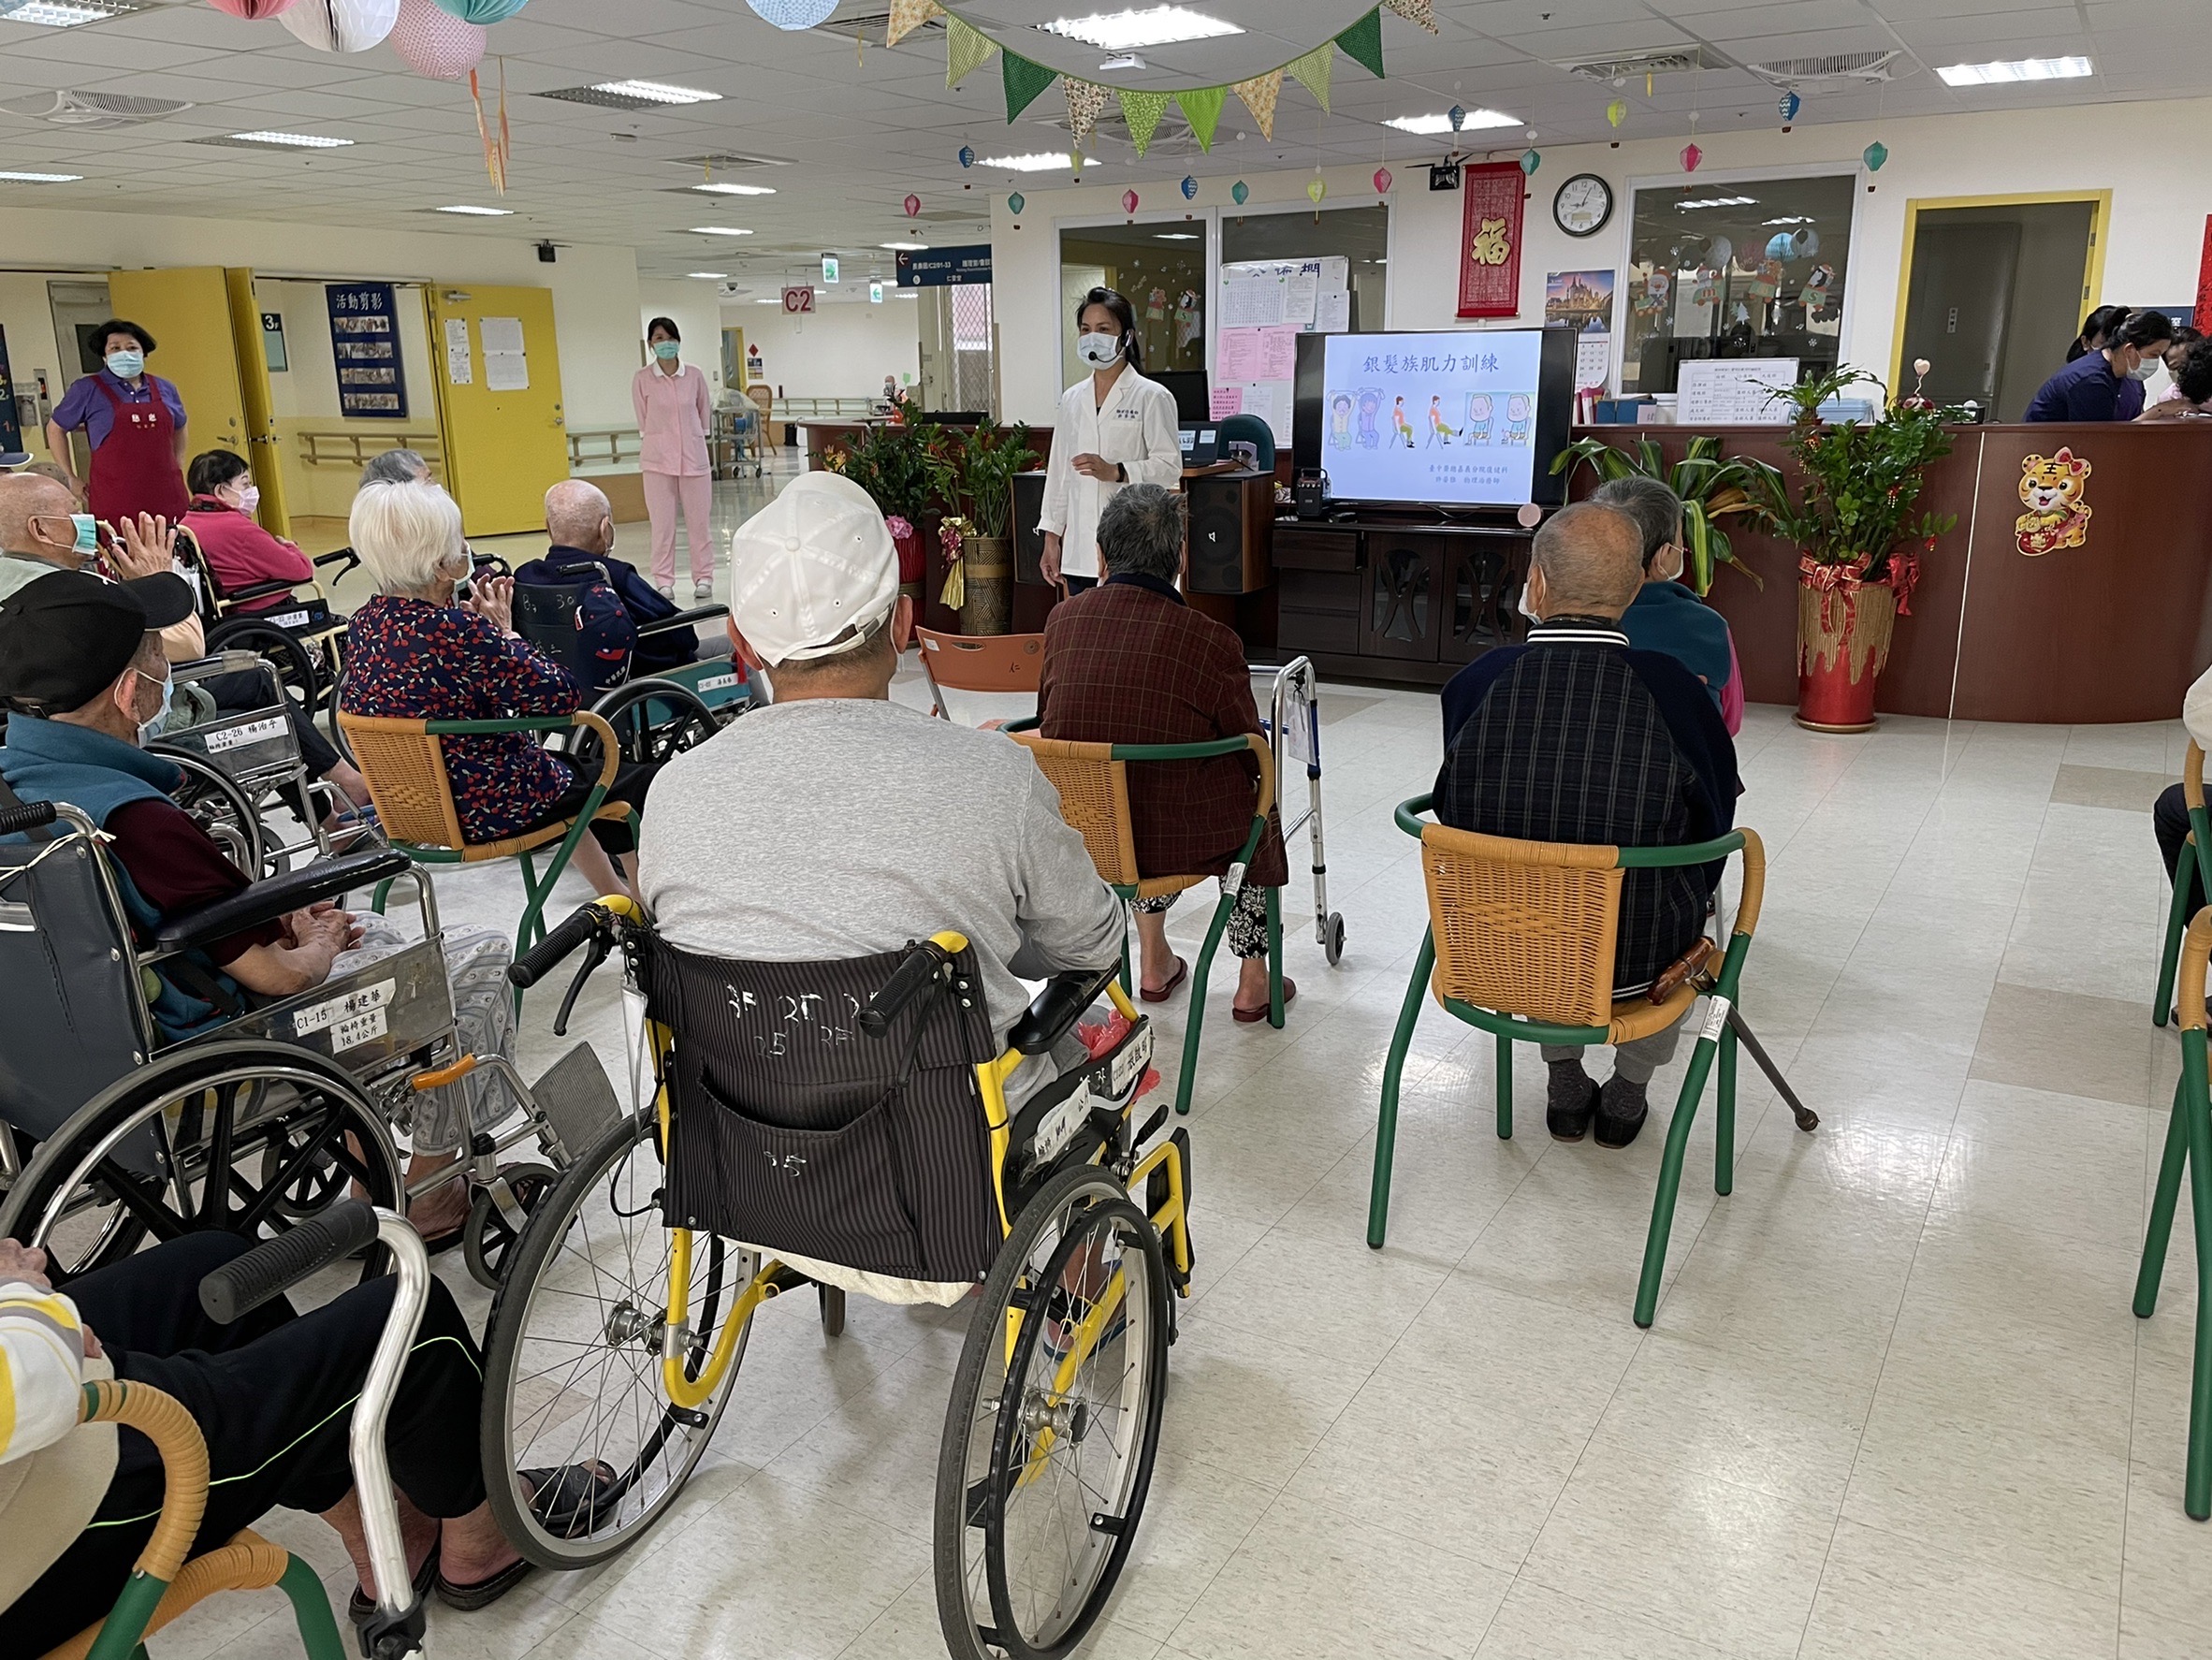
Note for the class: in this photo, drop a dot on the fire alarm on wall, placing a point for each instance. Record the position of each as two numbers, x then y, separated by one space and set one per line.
545 253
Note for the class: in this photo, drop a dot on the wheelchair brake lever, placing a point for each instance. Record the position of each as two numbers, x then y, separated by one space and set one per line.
594 954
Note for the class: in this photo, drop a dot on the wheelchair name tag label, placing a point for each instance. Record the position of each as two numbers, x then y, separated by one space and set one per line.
1128 1065
293 619
1716 1019
717 683
351 1020
237 737
1060 1125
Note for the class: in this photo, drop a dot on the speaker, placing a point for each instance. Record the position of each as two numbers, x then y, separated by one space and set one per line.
1231 527
1028 502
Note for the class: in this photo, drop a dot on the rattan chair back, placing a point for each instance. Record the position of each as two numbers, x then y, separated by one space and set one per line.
1094 797
405 764
1524 928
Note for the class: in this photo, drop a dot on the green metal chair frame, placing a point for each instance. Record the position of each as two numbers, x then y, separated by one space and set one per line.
1716 1040
1093 783
2188 1140
2199 838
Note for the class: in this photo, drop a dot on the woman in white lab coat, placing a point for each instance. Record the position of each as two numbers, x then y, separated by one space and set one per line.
1115 427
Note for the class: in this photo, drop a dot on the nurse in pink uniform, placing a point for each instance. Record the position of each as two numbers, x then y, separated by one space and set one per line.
674 412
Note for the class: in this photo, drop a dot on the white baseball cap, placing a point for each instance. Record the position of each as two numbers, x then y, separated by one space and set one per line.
814 571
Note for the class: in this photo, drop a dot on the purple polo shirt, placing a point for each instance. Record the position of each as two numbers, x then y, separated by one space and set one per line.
81 405
2087 390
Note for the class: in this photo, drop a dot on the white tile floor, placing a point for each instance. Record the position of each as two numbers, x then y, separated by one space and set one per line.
1894 1401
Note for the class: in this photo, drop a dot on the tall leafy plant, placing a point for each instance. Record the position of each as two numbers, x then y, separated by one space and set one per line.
1713 489
986 459
1862 478
901 468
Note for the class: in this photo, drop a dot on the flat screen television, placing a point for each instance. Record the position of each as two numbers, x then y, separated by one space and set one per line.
1455 418
1189 388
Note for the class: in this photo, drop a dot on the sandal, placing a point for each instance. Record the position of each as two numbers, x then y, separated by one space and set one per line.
569 1501
481 1594
1161 994
360 1609
1250 1016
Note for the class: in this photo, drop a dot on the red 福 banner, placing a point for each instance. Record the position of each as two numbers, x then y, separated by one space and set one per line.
1489 240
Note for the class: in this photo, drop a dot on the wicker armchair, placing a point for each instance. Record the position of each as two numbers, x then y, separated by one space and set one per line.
2198 847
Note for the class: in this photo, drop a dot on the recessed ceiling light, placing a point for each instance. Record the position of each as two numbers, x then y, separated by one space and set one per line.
1121 31
907 293
1720 201
292 140
41 177
1428 127
709 276
904 247
766 300
718 188
2018 69
655 92
62 14
1037 161
479 212
720 230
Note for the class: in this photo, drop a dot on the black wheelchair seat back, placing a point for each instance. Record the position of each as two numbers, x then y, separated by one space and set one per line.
581 625
793 1131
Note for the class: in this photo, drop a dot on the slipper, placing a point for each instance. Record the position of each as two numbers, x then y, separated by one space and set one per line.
1163 993
482 1594
571 1500
1249 1016
362 1608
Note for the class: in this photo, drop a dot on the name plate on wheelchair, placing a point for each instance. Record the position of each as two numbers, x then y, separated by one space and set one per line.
381 1017
351 1020
1058 1126
717 683
293 619
220 739
1126 1066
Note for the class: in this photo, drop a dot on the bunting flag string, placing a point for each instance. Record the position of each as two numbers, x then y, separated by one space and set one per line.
1024 82
1086 102
1201 107
1312 72
1259 96
1362 43
909 15
1142 111
1415 11
967 48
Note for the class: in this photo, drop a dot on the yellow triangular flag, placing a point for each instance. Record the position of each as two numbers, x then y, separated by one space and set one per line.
1312 70
1142 111
909 15
1259 94
964 48
1086 102
1416 11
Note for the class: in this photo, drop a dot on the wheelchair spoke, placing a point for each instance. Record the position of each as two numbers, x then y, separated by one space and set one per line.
215 1192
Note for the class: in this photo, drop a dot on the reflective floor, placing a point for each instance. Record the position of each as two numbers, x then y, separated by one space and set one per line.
1894 1404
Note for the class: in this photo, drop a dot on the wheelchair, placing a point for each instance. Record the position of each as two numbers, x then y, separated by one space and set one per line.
304 638
263 1116
847 1124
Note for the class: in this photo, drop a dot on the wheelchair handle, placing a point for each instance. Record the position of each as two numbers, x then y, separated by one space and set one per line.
909 981
29 816
545 956
275 1266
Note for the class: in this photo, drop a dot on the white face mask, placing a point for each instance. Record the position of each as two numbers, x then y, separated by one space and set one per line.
1667 567
1526 609
2145 370
1098 350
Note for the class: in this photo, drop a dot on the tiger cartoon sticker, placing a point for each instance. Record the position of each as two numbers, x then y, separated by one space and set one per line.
2053 487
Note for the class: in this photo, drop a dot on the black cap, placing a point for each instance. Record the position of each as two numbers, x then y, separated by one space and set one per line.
65 637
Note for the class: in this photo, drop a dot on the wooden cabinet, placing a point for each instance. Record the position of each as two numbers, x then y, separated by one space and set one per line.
1481 600
1397 601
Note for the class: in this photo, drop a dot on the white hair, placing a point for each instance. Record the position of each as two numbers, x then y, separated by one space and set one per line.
408 535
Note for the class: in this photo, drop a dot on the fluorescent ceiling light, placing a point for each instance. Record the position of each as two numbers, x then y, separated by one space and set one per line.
1718 201
718 188
2018 69
1123 31
907 293
655 92
292 140
1791 219
720 230
1428 127
904 247
766 300
709 276
41 177
1037 161
479 212
1175 236
61 14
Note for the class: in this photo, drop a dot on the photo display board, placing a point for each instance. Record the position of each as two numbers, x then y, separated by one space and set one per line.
365 343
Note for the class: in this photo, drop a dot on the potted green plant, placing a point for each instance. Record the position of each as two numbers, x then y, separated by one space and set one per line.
1713 489
904 474
1858 538
979 554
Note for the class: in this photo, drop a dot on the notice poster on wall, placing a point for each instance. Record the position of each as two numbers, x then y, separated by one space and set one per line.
507 365
1735 391
460 366
365 345
1431 418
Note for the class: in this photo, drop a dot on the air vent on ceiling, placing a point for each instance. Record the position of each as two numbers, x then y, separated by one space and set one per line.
1849 65
1668 60
98 111
725 162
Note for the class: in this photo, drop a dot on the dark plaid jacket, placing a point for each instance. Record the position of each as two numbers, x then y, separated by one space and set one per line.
1576 737
1128 663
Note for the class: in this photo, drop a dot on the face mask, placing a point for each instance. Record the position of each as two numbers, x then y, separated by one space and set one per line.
1526 609
249 498
667 350
123 365
88 532
2145 370
1098 350
147 729
1669 567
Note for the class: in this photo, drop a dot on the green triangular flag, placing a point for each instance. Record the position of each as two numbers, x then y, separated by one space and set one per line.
1201 107
965 47
1025 81
1142 111
1312 70
1362 43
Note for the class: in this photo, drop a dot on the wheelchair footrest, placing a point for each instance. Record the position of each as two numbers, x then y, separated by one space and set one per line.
578 1099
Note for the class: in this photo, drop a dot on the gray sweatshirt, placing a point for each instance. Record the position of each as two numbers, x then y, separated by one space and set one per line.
836 828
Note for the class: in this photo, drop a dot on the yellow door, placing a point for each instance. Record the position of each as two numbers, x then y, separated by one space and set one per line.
497 374
260 407
188 311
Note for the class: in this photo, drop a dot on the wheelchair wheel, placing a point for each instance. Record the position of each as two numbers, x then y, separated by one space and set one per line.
1054 1424
144 1156
298 665
572 1370
487 1238
217 805
654 719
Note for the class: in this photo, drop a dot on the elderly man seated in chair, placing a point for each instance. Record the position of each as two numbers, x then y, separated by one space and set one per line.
1577 736
881 826
580 525
1129 663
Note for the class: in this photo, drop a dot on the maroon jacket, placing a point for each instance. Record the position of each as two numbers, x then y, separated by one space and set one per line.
1129 664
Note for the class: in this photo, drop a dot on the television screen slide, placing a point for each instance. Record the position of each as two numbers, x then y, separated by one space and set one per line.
1449 418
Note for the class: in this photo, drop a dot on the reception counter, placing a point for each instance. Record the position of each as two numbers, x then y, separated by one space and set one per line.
2059 618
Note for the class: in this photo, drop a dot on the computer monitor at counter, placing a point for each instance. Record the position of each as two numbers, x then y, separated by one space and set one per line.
1191 392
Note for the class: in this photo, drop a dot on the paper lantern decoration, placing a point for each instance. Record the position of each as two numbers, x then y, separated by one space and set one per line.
482 12
793 14
912 205
1807 243
1188 188
434 43
1780 245
1316 189
1789 106
252 10
1874 156
1530 161
1719 252
967 156
1382 181
1238 192
1017 201
1692 155
340 25
1616 112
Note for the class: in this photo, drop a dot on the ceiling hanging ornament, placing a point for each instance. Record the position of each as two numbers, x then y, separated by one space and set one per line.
1530 159
905 17
1616 112
1238 192
1382 181
1312 71
1416 11
1259 94
1457 115
1141 114
1189 188
1874 156
1202 108
252 10
434 43
1086 102
1789 104
482 12
1692 155
912 204
496 150
1017 201
967 156
340 25
793 14
964 49
1315 188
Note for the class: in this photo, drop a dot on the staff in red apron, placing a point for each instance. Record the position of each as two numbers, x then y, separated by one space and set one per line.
135 425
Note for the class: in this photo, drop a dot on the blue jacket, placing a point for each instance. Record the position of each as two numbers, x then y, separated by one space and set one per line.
2087 390
612 614
1666 616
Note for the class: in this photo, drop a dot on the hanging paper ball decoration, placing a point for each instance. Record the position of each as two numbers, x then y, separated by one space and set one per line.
1790 104
1780 245
912 205
483 11
340 25
1616 112
1128 202
967 156
1316 189
1017 201
1720 251
1239 191
434 43
1692 155
1382 181
252 10
1874 156
793 14
1188 188
1457 116
1530 161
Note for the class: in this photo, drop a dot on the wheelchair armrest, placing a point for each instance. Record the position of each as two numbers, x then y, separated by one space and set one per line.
1057 1008
690 618
279 895
255 590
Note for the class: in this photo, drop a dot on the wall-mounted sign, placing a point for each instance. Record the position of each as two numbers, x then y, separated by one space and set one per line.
365 341
1490 242
798 300
829 268
933 267
272 341
875 293
1444 175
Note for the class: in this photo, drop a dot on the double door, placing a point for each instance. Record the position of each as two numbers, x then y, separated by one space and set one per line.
1439 596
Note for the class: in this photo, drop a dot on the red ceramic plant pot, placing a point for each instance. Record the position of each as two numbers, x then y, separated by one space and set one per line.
1845 626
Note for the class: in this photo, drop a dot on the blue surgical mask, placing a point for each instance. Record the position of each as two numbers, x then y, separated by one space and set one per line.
148 730
88 532
124 364
667 350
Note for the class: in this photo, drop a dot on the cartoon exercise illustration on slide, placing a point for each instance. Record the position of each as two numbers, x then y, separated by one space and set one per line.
1369 406
1476 431
1438 431
1398 424
1517 414
1340 420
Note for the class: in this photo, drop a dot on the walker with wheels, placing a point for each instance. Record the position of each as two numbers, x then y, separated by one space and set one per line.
1291 714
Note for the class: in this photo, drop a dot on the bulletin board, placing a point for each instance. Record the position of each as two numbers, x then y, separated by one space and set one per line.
1262 307
365 344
